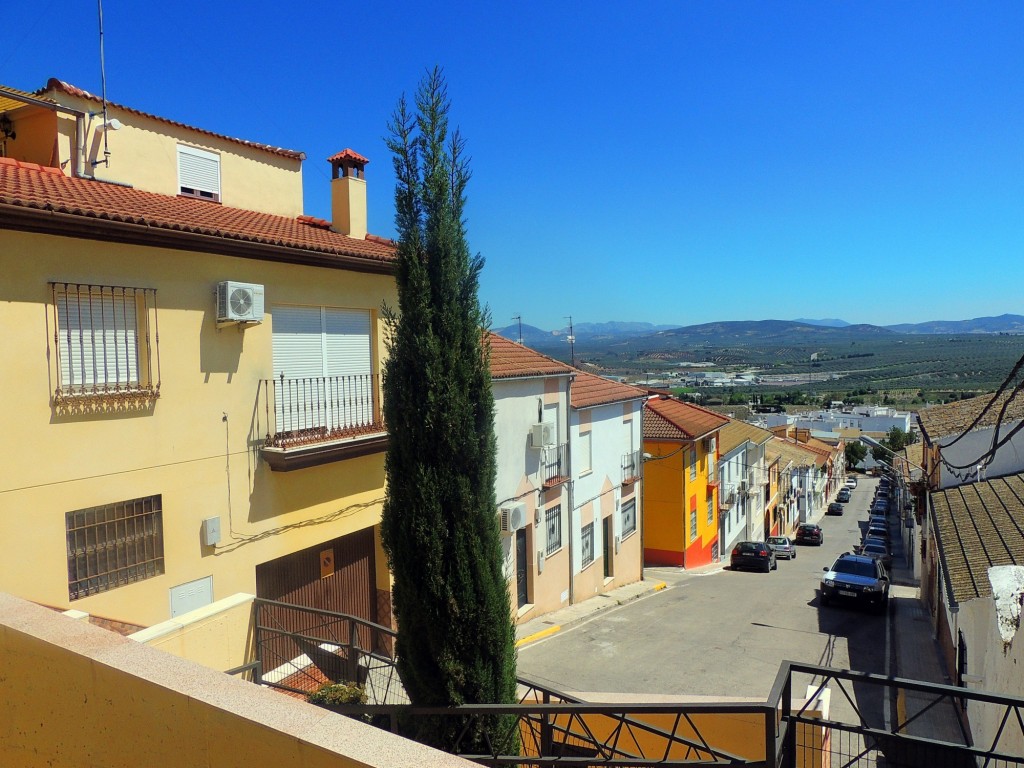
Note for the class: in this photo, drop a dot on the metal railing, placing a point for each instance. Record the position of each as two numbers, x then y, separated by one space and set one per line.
554 464
319 409
872 720
631 467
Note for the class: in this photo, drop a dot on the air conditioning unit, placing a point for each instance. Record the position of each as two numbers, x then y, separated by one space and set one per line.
239 302
513 517
542 434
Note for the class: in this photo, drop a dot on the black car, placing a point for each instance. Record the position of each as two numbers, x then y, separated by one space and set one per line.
753 554
843 495
857 578
835 508
809 533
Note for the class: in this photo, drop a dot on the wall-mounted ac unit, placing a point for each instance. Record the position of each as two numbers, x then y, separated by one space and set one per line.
542 434
513 517
239 302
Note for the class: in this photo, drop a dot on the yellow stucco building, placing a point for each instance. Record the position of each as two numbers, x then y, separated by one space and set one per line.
680 483
191 368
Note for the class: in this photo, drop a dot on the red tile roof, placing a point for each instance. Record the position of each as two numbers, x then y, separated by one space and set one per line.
510 360
589 390
669 419
48 191
53 84
348 154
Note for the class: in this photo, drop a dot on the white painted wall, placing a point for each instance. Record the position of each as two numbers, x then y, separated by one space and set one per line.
1009 458
733 522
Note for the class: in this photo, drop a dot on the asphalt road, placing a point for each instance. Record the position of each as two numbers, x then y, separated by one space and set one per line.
721 633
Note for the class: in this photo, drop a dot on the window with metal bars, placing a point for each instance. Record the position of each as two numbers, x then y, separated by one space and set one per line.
587 544
553 527
113 545
103 340
628 517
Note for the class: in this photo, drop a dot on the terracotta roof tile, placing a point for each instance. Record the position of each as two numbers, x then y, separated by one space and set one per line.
953 418
510 360
979 525
669 419
736 432
791 452
26 185
589 390
348 154
60 86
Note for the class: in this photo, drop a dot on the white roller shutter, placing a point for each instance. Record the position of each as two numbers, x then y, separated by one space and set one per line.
347 342
98 339
198 170
298 342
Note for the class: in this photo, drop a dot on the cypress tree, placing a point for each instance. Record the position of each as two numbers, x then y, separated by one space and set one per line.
455 642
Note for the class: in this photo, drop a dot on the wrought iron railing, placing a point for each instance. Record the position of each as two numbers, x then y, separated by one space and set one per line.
872 720
631 467
554 464
319 409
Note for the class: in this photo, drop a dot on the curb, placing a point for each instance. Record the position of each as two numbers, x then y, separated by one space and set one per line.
555 629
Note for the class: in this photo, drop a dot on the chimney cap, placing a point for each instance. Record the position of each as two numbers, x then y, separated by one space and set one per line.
349 155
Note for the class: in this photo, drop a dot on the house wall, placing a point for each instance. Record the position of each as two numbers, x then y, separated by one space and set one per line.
1009 458
598 495
36 141
144 153
517 403
733 521
198 446
669 495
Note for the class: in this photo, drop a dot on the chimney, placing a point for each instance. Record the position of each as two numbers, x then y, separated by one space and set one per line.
348 193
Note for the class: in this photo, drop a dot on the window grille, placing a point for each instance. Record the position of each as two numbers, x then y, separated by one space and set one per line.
553 529
711 509
587 544
103 342
113 545
693 524
628 517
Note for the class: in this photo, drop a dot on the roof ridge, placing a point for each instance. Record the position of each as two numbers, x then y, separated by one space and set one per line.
54 84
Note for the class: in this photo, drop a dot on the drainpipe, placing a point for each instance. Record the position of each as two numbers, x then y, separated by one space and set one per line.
572 485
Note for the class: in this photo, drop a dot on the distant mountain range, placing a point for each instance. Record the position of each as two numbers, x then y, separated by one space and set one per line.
746 332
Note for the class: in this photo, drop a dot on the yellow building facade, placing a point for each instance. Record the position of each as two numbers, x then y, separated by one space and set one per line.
193 383
680 483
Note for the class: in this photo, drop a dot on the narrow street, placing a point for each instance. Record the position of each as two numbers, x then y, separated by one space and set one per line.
721 633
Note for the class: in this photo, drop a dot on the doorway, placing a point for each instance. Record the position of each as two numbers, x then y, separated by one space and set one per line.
522 569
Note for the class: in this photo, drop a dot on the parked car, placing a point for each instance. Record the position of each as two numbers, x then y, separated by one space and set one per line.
843 495
783 547
835 508
753 554
878 520
851 482
809 533
878 531
857 578
877 549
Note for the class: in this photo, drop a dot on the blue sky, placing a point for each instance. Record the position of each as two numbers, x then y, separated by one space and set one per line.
666 162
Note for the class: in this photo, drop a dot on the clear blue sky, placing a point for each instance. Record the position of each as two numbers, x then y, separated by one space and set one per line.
667 162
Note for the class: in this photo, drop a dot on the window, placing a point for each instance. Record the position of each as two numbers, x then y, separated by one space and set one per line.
587 544
114 545
553 529
693 463
323 370
628 517
712 448
693 524
711 509
198 173
103 340
586 457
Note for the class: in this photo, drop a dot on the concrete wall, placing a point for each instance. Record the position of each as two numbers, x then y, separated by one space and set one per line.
79 696
198 446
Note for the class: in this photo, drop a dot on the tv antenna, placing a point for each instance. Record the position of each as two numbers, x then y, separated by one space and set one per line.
572 341
519 319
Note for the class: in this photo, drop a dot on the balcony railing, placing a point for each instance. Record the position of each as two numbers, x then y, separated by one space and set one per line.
631 467
319 409
554 465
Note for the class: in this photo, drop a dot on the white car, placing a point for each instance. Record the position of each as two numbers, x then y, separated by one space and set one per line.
851 483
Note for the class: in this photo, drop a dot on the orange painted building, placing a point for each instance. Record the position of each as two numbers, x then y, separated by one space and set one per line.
680 483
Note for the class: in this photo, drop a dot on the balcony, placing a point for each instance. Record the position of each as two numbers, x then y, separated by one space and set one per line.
631 467
319 419
727 496
554 465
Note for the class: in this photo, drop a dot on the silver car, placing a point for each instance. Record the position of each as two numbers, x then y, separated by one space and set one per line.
783 546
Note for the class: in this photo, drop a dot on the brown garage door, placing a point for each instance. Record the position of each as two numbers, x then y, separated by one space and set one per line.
337 575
